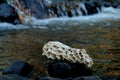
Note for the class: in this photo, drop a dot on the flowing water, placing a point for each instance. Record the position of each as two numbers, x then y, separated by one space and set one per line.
98 34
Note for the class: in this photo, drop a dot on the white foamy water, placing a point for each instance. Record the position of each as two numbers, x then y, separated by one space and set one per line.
106 14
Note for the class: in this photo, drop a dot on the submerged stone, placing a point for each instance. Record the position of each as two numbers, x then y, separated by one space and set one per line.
64 69
21 68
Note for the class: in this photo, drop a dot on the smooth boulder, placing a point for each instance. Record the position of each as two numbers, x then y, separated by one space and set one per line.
8 14
65 69
21 68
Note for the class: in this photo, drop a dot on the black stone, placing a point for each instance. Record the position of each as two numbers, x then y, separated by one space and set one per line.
80 70
21 68
91 8
8 14
3 1
60 69
64 69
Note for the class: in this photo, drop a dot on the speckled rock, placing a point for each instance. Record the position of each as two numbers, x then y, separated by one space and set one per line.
56 50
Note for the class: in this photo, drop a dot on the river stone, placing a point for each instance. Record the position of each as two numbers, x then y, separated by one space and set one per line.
37 10
92 7
64 69
3 1
21 68
13 77
8 14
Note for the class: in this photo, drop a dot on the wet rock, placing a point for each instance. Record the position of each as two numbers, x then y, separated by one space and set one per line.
38 9
60 69
8 14
21 68
3 1
13 77
64 69
107 4
111 3
92 7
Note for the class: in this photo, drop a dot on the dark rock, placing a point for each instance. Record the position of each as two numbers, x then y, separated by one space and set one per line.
21 68
92 7
60 69
3 1
64 69
38 9
80 70
8 14
13 77
107 4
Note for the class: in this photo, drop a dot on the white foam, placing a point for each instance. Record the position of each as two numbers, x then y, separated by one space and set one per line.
8 26
106 14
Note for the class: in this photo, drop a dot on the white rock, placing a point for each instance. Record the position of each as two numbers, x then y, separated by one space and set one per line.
57 50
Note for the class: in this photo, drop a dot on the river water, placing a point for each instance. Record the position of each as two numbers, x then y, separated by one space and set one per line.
98 34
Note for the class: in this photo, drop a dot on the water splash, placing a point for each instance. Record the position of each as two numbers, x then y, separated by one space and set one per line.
106 14
109 13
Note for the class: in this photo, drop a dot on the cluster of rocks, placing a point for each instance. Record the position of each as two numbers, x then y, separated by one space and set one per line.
57 70
71 9
52 8
18 70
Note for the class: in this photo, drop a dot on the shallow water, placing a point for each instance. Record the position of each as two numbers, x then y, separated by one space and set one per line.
98 35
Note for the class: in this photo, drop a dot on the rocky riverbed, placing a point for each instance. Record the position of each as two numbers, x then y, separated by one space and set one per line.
101 41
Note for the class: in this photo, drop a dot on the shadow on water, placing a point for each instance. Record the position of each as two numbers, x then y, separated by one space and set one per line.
101 42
